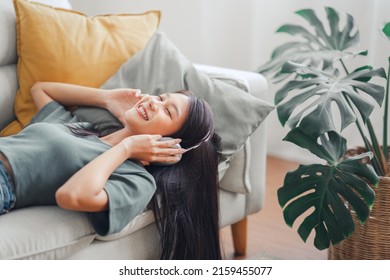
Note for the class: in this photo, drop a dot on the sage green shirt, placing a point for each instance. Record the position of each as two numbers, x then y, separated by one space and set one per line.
45 154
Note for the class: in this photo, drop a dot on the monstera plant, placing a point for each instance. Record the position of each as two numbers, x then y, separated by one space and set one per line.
313 69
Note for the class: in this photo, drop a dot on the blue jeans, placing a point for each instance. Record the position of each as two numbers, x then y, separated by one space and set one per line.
7 197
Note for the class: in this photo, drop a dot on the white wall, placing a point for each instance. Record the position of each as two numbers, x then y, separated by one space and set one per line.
241 34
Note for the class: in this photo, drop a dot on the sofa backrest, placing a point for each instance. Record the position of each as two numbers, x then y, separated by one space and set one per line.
8 60
8 57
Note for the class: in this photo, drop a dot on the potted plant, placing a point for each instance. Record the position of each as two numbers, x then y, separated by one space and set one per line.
328 194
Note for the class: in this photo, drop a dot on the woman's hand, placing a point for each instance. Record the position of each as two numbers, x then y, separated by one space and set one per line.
148 148
118 101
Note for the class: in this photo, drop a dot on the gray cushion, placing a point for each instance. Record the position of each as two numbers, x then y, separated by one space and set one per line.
8 89
8 33
8 59
161 67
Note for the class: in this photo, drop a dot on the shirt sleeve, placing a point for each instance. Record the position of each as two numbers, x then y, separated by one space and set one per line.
128 195
54 112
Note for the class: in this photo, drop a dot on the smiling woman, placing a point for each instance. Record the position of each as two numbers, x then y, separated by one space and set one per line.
163 114
104 174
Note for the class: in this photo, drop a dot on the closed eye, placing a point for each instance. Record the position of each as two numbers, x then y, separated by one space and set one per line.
166 109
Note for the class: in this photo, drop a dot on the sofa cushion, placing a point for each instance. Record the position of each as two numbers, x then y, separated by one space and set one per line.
140 221
43 232
8 33
8 88
161 67
8 58
55 44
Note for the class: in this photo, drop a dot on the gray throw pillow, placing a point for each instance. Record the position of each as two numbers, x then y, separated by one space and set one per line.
160 67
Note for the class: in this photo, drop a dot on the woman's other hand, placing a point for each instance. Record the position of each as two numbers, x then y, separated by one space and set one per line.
118 101
147 148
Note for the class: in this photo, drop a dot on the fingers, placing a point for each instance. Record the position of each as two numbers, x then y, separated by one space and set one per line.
171 159
142 98
166 150
156 137
169 152
167 155
164 143
169 147
144 163
134 96
169 143
150 148
136 92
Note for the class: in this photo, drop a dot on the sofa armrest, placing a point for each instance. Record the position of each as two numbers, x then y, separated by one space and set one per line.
246 171
252 82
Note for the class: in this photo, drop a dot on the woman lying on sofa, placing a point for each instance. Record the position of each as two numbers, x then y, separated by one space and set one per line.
59 160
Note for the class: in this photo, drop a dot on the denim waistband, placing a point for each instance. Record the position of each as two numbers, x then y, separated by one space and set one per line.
7 196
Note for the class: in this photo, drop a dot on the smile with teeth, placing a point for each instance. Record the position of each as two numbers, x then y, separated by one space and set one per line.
142 112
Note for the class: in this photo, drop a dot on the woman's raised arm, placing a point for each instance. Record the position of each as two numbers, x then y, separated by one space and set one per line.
117 101
67 94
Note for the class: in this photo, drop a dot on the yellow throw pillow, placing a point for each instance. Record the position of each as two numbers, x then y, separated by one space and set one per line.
61 45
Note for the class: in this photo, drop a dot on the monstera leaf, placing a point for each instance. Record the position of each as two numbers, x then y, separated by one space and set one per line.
386 30
322 192
313 95
317 48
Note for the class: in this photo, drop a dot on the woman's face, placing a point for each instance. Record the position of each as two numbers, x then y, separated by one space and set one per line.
164 114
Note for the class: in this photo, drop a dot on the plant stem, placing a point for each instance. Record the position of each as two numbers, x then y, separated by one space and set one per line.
376 158
385 117
378 153
345 68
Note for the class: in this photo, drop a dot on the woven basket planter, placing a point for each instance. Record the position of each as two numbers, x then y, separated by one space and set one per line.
370 241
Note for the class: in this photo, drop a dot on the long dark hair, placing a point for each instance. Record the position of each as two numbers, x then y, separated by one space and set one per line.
188 211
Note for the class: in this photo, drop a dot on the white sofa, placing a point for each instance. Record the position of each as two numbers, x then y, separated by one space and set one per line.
48 232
